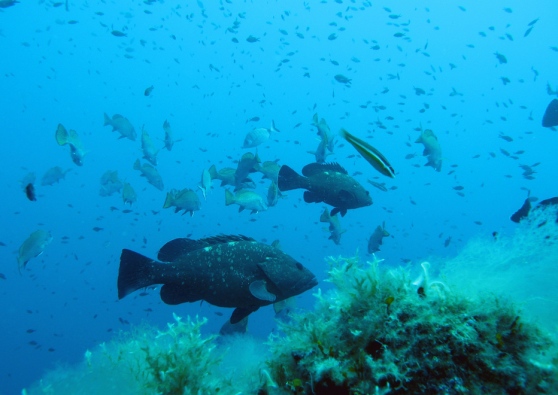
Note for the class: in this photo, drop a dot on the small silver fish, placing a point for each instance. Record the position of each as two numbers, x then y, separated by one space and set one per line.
110 183
324 132
148 148
150 173
205 183
71 138
432 149
121 125
258 136
246 200
334 226
128 194
33 246
375 240
185 199
169 138
273 194
53 175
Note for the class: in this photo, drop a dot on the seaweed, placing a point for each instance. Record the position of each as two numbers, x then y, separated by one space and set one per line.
379 332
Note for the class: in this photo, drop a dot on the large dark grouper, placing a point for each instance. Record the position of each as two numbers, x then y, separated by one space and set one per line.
226 271
329 183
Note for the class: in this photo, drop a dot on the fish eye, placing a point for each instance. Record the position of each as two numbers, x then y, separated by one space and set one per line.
299 266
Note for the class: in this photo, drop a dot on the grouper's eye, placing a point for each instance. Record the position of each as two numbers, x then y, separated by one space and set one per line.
299 266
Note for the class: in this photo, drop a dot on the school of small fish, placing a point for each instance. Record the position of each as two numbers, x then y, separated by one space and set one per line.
326 166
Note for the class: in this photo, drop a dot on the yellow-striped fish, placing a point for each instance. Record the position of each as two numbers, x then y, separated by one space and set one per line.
371 154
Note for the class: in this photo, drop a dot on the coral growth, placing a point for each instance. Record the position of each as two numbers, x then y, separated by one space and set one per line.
377 332
177 361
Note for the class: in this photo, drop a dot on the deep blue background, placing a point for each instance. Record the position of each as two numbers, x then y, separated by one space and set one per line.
66 67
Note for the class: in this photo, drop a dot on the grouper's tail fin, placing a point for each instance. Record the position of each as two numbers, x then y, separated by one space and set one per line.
289 179
134 272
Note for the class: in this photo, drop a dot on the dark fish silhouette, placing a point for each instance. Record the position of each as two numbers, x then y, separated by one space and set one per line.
225 271
329 183
30 192
550 117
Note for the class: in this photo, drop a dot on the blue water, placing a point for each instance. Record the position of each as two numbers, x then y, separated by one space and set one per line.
64 66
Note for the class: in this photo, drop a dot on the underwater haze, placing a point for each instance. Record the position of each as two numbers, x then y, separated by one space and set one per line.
478 75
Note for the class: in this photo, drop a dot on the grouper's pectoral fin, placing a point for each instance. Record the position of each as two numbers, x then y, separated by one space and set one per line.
336 210
259 291
176 294
242 312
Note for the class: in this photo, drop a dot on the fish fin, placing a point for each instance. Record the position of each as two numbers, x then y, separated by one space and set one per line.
289 179
61 135
318 168
229 197
220 239
336 210
259 291
213 172
135 272
107 120
310 197
168 200
273 128
324 217
176 248
240 313
174 294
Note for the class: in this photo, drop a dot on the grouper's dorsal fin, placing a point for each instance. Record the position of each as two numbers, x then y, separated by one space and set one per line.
221 239
176 248
317 168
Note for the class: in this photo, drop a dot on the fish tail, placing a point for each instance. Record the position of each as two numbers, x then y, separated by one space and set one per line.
135 272
213 172
273 128
108 121
325 217
169 200
137 165
61 135
289 179
229 198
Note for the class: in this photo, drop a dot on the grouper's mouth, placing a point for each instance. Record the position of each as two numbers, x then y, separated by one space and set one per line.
305 285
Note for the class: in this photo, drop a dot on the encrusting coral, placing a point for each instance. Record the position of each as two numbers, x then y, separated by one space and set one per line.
378 332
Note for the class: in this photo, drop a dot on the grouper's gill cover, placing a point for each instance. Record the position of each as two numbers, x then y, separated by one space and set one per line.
226 271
